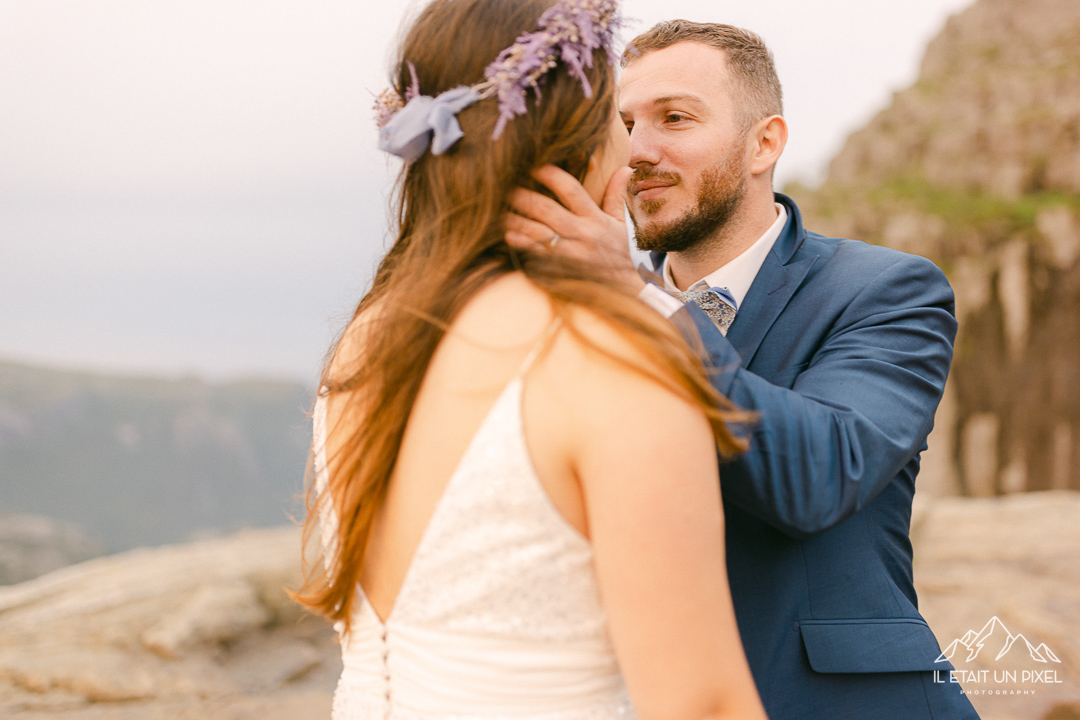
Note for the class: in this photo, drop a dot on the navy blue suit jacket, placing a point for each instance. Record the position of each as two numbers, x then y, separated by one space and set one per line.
843 349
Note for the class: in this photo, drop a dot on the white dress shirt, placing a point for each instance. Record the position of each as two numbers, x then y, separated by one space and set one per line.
737 275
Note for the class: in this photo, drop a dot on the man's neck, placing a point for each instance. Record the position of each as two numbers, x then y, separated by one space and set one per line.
751 221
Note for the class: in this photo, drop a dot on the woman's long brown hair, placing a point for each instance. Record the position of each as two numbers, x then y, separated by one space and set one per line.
450 245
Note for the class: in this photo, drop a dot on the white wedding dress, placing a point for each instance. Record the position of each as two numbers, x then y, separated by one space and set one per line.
498 615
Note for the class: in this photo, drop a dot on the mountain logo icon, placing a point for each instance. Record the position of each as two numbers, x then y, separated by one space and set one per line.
995 634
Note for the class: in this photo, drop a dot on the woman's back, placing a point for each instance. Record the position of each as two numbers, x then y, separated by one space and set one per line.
480 595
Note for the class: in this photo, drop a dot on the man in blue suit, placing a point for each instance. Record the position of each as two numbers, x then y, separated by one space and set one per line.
841 348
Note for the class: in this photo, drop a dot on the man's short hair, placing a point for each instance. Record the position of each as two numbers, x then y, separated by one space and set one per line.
751 63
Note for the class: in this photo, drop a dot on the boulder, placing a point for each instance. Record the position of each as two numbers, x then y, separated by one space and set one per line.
202 630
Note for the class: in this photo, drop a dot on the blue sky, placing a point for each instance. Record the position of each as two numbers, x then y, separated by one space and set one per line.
192 187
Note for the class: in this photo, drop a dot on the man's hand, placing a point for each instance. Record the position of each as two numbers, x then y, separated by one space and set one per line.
579 227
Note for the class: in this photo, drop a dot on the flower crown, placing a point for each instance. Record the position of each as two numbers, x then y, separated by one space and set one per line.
569 31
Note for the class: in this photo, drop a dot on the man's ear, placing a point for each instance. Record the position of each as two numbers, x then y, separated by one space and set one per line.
768 139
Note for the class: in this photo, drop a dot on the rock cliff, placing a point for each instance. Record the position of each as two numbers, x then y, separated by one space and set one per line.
977 166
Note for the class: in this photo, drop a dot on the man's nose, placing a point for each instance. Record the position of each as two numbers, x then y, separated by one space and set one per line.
644 147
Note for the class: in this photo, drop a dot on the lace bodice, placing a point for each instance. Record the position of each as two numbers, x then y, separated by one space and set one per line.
498 615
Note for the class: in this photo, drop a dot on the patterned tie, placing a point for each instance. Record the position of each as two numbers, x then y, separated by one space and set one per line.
718 304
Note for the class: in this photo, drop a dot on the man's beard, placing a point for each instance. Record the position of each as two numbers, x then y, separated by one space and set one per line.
722 190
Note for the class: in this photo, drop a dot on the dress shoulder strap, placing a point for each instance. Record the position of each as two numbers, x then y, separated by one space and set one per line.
540 346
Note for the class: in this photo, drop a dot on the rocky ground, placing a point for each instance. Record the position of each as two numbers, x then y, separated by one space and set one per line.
204 631
201 631
1015 558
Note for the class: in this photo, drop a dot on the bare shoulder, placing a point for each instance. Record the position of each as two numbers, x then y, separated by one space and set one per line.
607 387
599 353
504 316
506 313
513 312
504 320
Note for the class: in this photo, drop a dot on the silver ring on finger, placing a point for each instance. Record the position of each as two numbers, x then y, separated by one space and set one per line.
554 240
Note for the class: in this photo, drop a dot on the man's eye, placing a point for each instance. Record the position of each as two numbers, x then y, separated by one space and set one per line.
674 117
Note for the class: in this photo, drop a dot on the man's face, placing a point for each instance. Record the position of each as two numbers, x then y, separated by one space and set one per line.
687 148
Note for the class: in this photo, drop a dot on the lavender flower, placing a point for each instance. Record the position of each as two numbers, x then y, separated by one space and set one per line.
569 31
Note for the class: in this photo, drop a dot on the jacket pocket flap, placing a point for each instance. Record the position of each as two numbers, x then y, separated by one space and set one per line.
871 645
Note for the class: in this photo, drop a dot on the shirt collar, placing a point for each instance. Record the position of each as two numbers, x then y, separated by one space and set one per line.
738 275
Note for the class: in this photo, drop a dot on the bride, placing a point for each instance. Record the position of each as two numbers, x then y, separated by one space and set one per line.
515 473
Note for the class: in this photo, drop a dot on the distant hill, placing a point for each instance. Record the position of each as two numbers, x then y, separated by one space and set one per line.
146 461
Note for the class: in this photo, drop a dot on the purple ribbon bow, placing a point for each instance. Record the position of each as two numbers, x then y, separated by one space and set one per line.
426 120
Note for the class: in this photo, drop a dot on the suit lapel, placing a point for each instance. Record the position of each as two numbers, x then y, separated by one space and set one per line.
768 296
780 275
